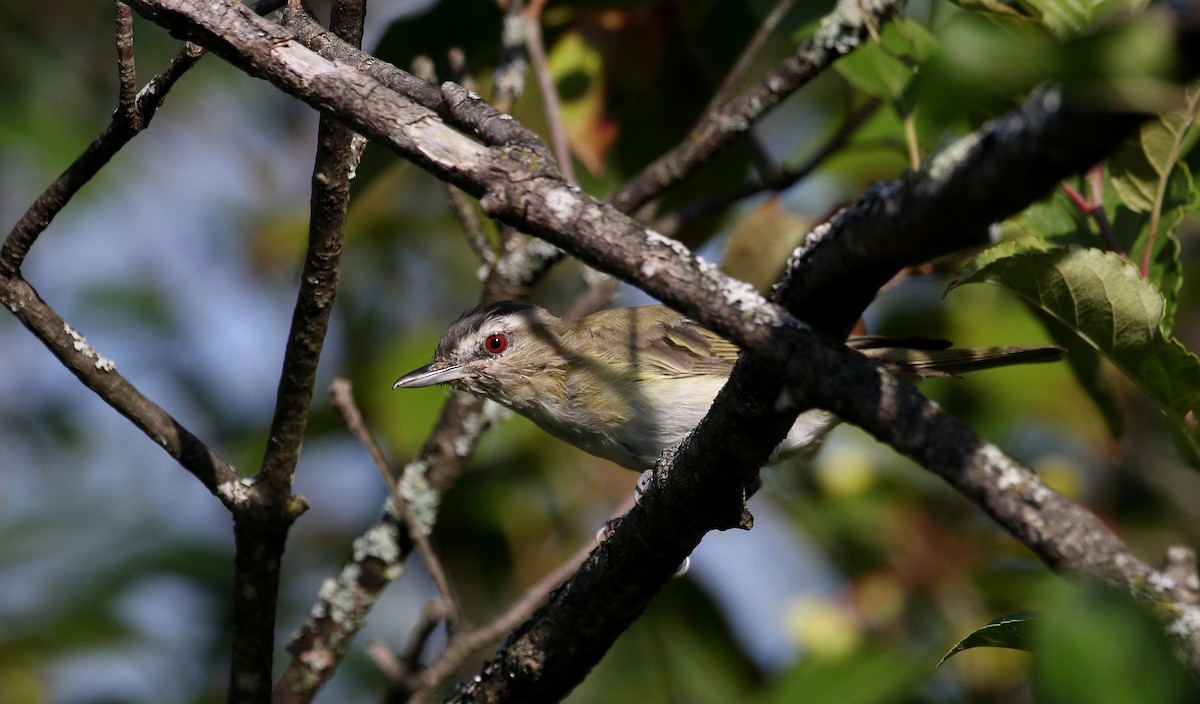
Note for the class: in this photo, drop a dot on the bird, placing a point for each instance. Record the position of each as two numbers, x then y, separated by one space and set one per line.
626 383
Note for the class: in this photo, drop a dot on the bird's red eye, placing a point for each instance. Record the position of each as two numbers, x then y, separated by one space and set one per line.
496 343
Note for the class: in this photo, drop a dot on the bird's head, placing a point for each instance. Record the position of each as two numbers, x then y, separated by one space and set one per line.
496 350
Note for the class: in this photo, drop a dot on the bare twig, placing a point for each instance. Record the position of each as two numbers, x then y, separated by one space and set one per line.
840 32
100 375
541 70
341 397
746 58
343 400
126 72
462 206
462 646
125 125
782 180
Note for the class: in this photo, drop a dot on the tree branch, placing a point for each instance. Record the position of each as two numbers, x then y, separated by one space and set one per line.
125 125
261 535
101 376
839 33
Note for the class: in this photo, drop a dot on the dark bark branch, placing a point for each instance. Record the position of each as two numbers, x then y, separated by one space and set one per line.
259 538
261 535
992 174
126 71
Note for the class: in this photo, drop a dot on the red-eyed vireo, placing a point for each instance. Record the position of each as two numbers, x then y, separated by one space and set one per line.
626 383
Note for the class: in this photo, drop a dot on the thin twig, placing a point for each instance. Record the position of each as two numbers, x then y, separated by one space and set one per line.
839 33
126 70
769 24
432 614
342 396
462 206
124 126
1093 207
1095 181
463 645
783 180
550 102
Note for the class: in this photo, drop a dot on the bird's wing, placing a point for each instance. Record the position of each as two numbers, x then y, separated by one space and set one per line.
666 344
680 347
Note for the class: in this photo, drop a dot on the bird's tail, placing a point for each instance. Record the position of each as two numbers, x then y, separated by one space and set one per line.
925 357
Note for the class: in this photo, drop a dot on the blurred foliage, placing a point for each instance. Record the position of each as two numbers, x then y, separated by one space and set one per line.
182 261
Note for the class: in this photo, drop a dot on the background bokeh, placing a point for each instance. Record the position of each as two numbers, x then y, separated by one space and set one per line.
180 263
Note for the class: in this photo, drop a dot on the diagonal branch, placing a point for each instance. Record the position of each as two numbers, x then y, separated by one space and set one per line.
125 125
100 375
851 23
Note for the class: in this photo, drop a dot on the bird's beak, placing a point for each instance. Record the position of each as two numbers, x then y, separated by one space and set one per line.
431 374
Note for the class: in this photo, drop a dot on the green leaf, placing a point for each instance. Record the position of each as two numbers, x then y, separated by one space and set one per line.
1071 17
1008 631
1157 190
1104 300
1141 167
1058 221
983 63
1063 17
1002 8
